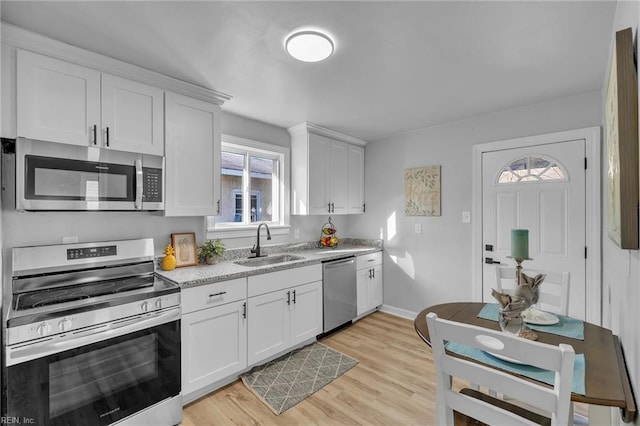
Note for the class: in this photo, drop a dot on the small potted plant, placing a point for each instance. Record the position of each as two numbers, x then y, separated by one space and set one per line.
210 251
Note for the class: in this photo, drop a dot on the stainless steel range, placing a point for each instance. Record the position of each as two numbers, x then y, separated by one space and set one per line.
92 337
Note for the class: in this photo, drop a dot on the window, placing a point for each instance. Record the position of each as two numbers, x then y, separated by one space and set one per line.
532 169
254 188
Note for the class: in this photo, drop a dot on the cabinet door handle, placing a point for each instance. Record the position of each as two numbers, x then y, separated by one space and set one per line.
294 297
370 274
288 298
218 203
373 272
333 210
94 134
328 207
218 294
107 135
364 208
244 310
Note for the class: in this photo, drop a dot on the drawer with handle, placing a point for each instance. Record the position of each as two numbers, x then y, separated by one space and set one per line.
369 260
215 294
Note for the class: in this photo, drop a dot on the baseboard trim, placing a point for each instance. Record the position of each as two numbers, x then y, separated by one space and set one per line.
399 312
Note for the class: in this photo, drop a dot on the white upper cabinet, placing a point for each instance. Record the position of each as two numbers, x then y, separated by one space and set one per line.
327 171
58 101
356 180
132 116
192 157
318 187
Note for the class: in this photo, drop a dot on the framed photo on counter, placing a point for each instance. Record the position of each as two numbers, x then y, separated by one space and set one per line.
185 247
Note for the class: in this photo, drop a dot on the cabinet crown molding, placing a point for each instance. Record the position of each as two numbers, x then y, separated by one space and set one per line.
28 40
307 127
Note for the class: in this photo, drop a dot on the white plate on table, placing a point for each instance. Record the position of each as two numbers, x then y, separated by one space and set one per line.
537 317
492 343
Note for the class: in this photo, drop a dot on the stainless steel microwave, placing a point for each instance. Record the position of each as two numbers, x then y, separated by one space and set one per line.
54 176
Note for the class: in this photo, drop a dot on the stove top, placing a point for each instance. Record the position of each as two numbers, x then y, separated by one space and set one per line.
38 299
110 282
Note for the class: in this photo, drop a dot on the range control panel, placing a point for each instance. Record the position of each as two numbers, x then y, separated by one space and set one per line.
89 252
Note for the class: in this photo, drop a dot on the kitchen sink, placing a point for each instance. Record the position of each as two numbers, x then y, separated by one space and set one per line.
268 260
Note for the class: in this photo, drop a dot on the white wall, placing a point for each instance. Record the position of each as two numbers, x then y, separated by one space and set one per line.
621 268
435 266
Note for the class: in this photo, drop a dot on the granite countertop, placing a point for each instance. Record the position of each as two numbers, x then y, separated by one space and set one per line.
227 269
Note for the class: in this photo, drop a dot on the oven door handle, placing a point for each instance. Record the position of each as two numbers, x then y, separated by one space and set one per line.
23 352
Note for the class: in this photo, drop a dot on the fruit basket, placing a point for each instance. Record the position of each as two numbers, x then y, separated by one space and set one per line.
328 236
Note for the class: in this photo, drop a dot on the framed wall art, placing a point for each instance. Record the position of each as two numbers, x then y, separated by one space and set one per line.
186 249
621 135
422 191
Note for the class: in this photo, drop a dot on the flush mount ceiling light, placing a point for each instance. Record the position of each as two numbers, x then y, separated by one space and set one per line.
309 46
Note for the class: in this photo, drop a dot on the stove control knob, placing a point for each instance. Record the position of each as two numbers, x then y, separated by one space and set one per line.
144 307
64 325
159 303
43 329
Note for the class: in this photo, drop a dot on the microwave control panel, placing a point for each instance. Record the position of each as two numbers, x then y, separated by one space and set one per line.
152 184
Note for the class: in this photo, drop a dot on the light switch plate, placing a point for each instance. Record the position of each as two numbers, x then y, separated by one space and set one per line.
466 217
417 228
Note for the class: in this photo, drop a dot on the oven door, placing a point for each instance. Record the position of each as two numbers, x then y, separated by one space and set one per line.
99 383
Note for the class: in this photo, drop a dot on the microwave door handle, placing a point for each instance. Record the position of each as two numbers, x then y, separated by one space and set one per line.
139 186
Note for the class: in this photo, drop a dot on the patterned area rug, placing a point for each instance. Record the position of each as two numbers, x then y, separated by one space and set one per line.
288 380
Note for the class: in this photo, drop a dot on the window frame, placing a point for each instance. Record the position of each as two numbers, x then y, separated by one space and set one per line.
250 147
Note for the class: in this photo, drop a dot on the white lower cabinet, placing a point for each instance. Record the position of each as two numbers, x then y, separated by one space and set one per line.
269 326
305 312
286 315
283 319
369 282
214 335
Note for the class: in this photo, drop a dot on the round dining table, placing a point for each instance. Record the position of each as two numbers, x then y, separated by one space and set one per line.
607 380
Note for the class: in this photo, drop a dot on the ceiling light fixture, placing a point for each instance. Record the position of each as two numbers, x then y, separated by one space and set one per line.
309 46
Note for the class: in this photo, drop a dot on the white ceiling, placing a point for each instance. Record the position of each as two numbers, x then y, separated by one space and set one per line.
398 66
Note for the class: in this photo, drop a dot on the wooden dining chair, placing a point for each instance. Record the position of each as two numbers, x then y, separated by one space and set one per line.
554 290
470 406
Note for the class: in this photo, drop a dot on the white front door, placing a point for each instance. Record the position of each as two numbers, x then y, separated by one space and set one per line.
540 188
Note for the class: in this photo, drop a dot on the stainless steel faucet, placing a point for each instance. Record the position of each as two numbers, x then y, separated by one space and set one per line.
256 248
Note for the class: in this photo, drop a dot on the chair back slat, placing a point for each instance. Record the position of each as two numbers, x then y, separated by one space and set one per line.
554 290
553 400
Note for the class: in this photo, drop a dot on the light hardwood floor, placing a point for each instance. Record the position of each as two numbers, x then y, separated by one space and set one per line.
393 384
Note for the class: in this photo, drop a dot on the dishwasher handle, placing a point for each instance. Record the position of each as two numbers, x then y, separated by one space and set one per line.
337 263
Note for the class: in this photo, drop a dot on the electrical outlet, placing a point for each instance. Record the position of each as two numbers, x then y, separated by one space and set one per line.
70 239
466 217
417 228
296 233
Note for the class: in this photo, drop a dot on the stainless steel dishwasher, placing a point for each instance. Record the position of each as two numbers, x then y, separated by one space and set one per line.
339 292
